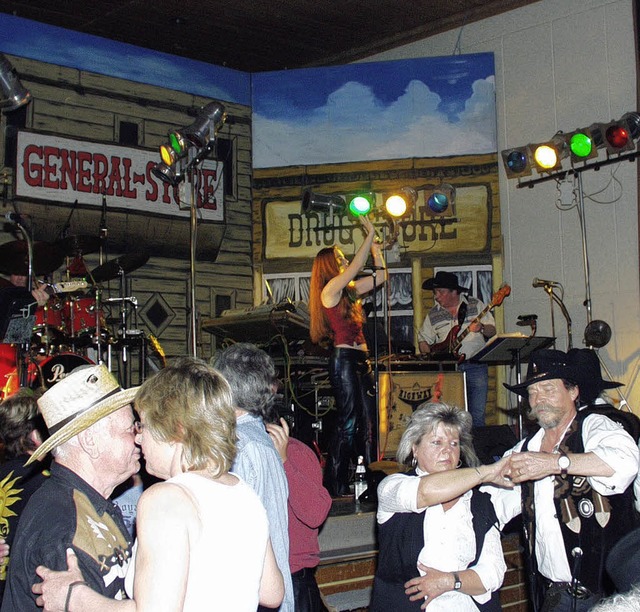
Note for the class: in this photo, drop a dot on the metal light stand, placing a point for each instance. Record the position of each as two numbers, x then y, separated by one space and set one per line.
577 171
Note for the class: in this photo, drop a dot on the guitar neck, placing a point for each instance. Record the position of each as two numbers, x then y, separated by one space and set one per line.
463 334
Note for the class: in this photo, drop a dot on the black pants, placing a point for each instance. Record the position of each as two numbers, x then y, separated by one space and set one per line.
356 426
306 593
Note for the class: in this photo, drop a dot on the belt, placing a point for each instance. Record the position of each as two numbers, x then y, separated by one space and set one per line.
305 572
579 591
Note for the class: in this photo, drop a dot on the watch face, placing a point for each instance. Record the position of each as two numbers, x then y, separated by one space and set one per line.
564 462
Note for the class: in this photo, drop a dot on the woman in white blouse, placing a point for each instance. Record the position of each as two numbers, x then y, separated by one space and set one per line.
439 542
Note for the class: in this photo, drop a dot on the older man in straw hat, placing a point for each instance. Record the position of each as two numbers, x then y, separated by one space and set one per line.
90 419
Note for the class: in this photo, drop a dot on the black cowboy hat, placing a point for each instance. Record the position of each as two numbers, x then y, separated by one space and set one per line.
578 366
444 280
591 383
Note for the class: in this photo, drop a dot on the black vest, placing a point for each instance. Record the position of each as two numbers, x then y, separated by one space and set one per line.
400 540
588 520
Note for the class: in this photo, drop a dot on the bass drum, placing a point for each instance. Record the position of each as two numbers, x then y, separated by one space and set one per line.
56 368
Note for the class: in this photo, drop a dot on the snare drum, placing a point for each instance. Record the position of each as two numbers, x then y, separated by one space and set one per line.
81 318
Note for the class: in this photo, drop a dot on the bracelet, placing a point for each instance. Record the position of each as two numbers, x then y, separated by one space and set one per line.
73 584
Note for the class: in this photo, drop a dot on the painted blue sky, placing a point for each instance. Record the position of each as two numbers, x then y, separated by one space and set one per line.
26 38
382 110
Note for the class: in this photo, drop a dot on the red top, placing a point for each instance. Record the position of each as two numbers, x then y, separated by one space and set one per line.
309 504
346 331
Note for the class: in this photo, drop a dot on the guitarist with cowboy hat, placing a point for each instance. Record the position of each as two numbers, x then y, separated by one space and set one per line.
454 314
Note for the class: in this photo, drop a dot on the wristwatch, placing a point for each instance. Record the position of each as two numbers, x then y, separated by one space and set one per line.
457 584
563 463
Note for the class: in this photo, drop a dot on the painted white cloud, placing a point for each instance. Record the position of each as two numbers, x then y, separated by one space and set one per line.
354 125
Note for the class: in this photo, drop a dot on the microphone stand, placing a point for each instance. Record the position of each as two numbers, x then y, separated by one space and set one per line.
23 352
555 298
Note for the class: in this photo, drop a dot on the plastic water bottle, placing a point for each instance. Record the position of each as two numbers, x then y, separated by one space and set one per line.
361 478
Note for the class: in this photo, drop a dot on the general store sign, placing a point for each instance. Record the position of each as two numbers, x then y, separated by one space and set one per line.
60 169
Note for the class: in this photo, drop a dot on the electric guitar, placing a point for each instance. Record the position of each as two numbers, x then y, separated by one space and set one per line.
63 287
449 348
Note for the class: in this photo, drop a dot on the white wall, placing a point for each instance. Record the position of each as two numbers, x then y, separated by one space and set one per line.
562 65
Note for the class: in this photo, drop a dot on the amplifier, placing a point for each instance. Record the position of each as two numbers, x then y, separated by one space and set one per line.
402 392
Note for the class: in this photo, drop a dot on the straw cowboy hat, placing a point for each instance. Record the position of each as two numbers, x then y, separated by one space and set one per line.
85 396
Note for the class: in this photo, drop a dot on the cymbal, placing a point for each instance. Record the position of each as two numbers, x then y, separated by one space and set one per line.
47 257
120 265
78 245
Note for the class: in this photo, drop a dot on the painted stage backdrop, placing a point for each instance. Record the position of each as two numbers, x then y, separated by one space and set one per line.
426 107
377 127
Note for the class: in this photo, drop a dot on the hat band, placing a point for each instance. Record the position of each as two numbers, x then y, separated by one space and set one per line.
60 424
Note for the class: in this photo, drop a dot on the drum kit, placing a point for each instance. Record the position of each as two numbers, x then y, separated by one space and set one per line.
73 327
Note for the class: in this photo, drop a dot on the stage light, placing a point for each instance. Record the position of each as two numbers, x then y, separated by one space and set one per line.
617 136
441 198
14 95
581 145
167 173
401 202
361 204
195 140
548 156
517 162
318 202
208 121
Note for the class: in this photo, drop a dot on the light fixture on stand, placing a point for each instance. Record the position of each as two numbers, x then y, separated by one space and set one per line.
13 93
186 148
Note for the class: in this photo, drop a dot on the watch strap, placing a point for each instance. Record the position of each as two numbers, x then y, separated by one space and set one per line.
457 583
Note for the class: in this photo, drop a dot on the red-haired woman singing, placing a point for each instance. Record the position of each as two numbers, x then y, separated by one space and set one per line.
337 320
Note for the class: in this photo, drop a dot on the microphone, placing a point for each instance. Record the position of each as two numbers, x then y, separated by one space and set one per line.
541 282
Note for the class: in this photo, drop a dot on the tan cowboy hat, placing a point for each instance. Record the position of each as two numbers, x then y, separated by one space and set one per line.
86 395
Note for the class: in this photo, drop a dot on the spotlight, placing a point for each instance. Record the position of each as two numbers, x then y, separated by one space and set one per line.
14 95
517 162
317 202
167 173
208 121
441 198
581 145
196 139
361 204
617 136
548 156
401 202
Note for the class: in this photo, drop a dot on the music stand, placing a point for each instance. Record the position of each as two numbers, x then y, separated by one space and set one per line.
17 315
511 349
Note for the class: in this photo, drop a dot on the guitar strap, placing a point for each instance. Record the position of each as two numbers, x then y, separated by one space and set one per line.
462 313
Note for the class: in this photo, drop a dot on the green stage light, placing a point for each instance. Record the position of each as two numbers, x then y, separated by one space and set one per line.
361 204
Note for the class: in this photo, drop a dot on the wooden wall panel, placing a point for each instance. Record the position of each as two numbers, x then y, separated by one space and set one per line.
89 106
